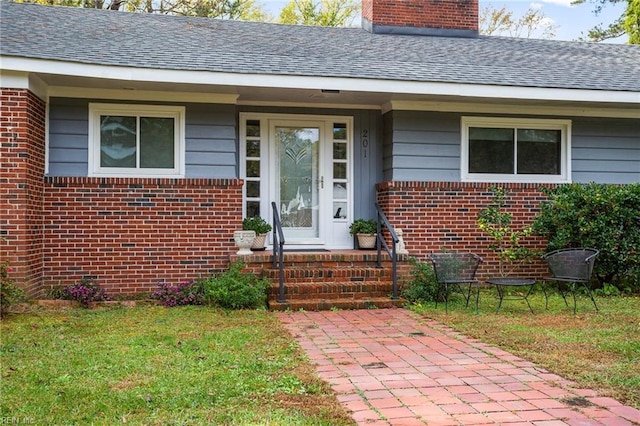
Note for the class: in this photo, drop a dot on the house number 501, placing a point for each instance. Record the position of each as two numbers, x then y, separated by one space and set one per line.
365 141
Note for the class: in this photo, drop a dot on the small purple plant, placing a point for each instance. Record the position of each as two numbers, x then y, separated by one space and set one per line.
85 291
183 293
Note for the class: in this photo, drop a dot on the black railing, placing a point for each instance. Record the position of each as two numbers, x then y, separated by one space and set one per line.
391 251
278 249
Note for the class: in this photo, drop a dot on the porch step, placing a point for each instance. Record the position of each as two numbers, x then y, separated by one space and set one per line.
346 279
326 305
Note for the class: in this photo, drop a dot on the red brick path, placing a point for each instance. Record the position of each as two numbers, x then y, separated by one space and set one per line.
391 367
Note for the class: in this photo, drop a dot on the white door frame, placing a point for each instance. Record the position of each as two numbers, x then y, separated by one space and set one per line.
333 232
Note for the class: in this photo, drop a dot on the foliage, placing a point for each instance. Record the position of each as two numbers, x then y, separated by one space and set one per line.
507 243
183 293
628 22
85 292
423 286
533 23
246 10
603 216
363 226
235 289
325 13
123 366
10 293
257 224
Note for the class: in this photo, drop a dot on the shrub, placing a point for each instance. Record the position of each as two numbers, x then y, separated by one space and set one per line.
423 286
363 226
10 293
85 292
235 289
602 216
257 224
506 243
183 293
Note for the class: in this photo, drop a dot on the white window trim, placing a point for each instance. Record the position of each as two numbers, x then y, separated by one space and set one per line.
565 156
165 111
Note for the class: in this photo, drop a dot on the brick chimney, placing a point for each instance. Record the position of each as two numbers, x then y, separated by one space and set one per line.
448 18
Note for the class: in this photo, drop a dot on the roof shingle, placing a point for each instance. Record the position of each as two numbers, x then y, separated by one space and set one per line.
199 44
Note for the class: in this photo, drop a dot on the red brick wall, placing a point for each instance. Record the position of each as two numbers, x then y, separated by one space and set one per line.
437 216
449 14
22 151
128 234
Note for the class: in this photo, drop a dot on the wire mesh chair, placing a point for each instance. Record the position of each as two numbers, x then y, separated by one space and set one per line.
455 270
570 269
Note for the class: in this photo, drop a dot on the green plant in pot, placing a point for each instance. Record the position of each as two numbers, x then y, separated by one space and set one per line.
261 227
365 230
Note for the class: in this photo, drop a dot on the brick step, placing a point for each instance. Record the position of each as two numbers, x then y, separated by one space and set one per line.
328 304
330 274
324 290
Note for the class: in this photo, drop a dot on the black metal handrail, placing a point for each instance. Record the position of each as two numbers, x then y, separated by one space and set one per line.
278 249
380 241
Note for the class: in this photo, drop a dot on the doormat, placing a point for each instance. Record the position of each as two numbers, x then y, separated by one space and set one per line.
306 250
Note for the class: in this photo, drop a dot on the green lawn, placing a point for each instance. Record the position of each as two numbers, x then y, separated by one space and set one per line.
154 365
596 350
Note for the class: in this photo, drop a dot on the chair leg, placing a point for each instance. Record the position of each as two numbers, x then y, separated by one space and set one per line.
477 297
468 296
546 296
590 293
573 293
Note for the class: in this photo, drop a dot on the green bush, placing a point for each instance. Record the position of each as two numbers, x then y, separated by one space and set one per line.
235 289
10 293
423 286
601 216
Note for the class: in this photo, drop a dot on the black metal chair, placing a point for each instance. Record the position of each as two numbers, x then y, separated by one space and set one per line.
570 268
455 270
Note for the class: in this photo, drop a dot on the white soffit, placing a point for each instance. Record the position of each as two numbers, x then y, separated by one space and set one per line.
314 82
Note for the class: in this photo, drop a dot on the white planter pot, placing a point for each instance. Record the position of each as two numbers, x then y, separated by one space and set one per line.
366 241
259 242
244 240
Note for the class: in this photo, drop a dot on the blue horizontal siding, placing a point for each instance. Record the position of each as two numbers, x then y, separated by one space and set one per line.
425 146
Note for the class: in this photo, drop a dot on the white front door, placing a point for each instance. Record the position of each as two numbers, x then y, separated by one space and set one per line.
302 163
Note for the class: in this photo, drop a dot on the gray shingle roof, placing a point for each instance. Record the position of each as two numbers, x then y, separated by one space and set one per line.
199 44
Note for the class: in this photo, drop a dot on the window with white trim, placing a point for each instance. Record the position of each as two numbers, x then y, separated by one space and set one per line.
515 150
136 140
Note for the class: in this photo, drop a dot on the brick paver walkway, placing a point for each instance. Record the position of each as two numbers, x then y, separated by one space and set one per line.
390 366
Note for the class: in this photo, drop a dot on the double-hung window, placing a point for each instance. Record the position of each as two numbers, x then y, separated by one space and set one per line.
136 140
515 150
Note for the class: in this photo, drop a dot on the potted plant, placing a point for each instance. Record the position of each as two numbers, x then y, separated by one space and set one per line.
365 230
260 227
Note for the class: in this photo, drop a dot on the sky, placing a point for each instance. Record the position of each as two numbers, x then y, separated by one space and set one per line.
571 21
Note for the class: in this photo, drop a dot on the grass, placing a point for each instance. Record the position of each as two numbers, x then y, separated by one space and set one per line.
599 351
154 365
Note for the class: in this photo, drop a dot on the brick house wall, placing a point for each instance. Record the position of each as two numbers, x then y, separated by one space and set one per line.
22 153
129 234
437 216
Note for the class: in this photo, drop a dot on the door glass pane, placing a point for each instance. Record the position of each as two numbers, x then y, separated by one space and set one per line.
117 141
491 150
253 208
298 156
253 128
539 151
156 142
253 189
339 151
253 149
339 170
253 169
340 131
